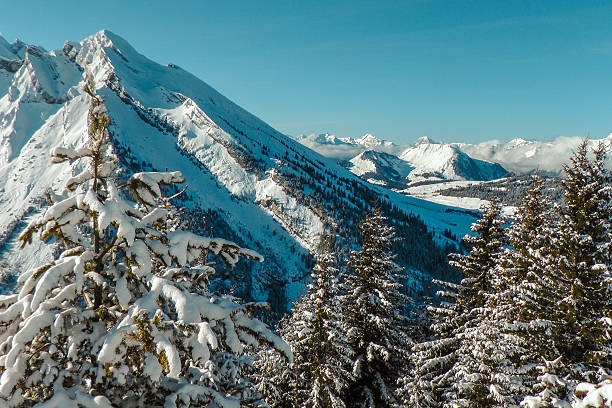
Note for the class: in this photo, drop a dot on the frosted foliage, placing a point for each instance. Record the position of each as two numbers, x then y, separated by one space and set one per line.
123 317
373 314
556 391
469 360
319 375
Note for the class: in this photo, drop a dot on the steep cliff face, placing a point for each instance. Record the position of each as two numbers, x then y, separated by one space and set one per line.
270 192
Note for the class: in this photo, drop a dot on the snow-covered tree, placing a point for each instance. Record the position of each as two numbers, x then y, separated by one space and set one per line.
554 391
318 342
429 378
373 311
521 306
485 249
554 283
566 295
274 378
529 282
582 252
458 366
123 317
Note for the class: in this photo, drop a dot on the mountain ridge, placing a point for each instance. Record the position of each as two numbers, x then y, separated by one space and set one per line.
385 163
270 192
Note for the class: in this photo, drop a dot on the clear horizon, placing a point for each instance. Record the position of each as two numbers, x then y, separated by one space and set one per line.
453 70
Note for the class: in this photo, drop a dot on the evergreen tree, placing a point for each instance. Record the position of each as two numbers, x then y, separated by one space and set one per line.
473 382
486 247
318 342
372 308
431 359
521 306
458 366
582 253
123 317
564 299
275 379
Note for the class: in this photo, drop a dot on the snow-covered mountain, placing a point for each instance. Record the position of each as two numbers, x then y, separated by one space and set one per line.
249 182
522 156
441 161
345 148
380 168
369 141
423 161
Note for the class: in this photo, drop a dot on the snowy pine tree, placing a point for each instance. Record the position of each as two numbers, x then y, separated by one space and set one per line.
372 309
570 290
458 366
318 342
123 317
521 306
527 271
274 378
485 250
474 384
583 259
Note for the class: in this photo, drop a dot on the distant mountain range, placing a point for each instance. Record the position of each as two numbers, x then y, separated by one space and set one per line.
397 166
386 163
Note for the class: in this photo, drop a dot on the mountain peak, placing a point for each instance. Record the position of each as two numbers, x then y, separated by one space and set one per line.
107 36
108 39
369 141
10 50
424 140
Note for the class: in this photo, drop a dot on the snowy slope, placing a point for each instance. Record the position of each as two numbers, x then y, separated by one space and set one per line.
270 192
432 192
446 162
380 168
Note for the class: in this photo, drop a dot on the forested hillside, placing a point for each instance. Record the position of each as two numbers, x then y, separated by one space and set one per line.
529 324
246 181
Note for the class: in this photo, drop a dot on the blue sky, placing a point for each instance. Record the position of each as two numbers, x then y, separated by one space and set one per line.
452 70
